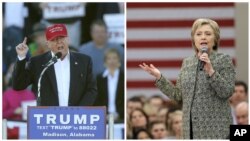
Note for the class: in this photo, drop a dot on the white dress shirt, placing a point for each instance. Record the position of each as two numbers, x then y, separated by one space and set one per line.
62 71
112 86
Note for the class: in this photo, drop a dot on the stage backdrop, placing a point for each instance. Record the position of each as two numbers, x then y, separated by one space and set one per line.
160 33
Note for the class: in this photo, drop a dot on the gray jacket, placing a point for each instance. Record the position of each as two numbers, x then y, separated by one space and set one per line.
206 102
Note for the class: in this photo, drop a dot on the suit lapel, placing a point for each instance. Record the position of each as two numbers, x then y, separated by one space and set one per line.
192 76
73 75
105 97
51 74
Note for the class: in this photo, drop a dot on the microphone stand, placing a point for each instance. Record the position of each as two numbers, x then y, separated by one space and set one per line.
39 82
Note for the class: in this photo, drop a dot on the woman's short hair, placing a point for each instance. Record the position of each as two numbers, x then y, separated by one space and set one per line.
110 51
213 24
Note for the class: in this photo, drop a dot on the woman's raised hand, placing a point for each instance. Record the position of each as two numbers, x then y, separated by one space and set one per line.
151 69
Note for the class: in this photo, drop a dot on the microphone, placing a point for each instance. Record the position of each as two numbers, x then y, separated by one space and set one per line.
204 49
53 60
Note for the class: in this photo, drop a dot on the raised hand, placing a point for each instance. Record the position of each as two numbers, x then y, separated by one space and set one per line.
22 48
151 69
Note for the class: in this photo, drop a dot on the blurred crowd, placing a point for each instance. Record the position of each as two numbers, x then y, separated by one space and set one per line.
88 34
156 117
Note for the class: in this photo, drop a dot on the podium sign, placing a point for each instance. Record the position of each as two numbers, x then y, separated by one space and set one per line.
66 123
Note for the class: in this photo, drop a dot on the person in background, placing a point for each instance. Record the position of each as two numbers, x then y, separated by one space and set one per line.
134 103
151 111
162 114
94 11
143 97
156 101
240 94
176 124
138 119
38 46
143 134
12 100
158 130
241 112
110 85
99 44
204 85
13 25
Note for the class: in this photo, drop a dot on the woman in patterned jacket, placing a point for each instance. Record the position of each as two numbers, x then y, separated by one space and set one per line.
204 92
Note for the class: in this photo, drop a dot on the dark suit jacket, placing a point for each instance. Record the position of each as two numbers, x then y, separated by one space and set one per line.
82 91
102 98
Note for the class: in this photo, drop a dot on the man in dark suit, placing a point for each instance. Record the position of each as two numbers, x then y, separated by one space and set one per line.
69 82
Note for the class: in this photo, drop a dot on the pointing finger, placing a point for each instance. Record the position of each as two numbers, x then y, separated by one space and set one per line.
25 40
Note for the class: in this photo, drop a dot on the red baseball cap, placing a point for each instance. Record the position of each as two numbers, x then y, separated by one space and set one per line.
55 31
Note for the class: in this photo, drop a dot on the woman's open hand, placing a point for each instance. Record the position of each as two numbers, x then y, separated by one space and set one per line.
151 69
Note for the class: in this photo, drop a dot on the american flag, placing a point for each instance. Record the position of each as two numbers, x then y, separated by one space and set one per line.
160 33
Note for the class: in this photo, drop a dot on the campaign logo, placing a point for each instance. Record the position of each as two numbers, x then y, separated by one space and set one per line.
66 123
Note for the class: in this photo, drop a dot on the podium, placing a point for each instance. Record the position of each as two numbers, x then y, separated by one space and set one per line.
66 122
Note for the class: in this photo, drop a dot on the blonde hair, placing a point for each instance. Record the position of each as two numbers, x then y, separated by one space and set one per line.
150 110
200 22
177 113
110 51
172 117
